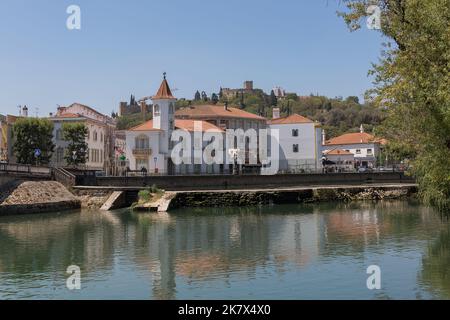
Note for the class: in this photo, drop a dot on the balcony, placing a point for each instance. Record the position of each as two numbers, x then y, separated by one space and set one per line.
142 152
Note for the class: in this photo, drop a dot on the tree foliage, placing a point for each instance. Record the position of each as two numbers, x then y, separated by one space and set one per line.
412 81
131 120
77 150
197 96
31 134
273 98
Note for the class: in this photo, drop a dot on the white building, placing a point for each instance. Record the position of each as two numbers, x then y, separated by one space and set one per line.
100 138
300 141
365 147
340 161
143 145
149 145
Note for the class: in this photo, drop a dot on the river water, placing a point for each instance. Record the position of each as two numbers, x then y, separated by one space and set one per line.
319 251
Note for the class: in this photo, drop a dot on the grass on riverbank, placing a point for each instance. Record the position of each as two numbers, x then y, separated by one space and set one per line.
149 195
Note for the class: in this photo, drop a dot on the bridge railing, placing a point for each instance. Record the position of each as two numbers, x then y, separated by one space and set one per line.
64 177
25 169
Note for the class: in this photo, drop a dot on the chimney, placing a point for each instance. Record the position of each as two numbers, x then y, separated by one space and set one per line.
25 111
361 129
276 113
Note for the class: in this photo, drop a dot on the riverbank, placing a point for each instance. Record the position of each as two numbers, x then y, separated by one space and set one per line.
49 196
36 197
232 198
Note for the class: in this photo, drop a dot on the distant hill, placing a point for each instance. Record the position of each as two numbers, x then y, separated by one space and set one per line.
338 115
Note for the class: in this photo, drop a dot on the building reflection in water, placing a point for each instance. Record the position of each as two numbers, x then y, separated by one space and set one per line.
201 245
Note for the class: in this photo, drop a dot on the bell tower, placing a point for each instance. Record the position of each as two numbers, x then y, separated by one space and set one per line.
164 113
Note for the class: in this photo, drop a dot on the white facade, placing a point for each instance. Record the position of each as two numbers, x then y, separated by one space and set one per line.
142 149
365 154
365 147
100 138
299 145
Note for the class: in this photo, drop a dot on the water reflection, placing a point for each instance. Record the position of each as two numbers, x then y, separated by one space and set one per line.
227 253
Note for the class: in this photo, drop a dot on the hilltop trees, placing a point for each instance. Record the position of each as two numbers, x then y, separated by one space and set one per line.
273 99
214 98
32 134
412 82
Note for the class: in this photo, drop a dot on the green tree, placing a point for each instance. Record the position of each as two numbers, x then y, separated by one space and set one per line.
197 96
273 99
31 134
214 98
77 151
412 82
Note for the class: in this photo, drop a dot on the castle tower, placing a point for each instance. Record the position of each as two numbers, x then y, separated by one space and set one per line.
25 111
164 113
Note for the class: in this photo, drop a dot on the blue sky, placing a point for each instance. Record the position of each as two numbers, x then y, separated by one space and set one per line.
123 47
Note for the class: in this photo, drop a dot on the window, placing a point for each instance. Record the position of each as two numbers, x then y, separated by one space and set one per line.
295 132
95 136
369 151
358 151
59 135
156 110
142 142
88 135
171 108
295 148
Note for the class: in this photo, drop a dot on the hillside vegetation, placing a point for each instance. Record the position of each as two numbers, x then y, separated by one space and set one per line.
337 115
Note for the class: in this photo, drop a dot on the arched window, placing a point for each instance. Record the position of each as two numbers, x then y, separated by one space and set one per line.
95 136
156 110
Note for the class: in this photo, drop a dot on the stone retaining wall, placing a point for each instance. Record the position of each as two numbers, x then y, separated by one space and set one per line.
36 197
252 198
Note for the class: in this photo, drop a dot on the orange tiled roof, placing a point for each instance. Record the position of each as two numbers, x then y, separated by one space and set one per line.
187 125
164 91
355 138
338 152
215 111
292 119
146 126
